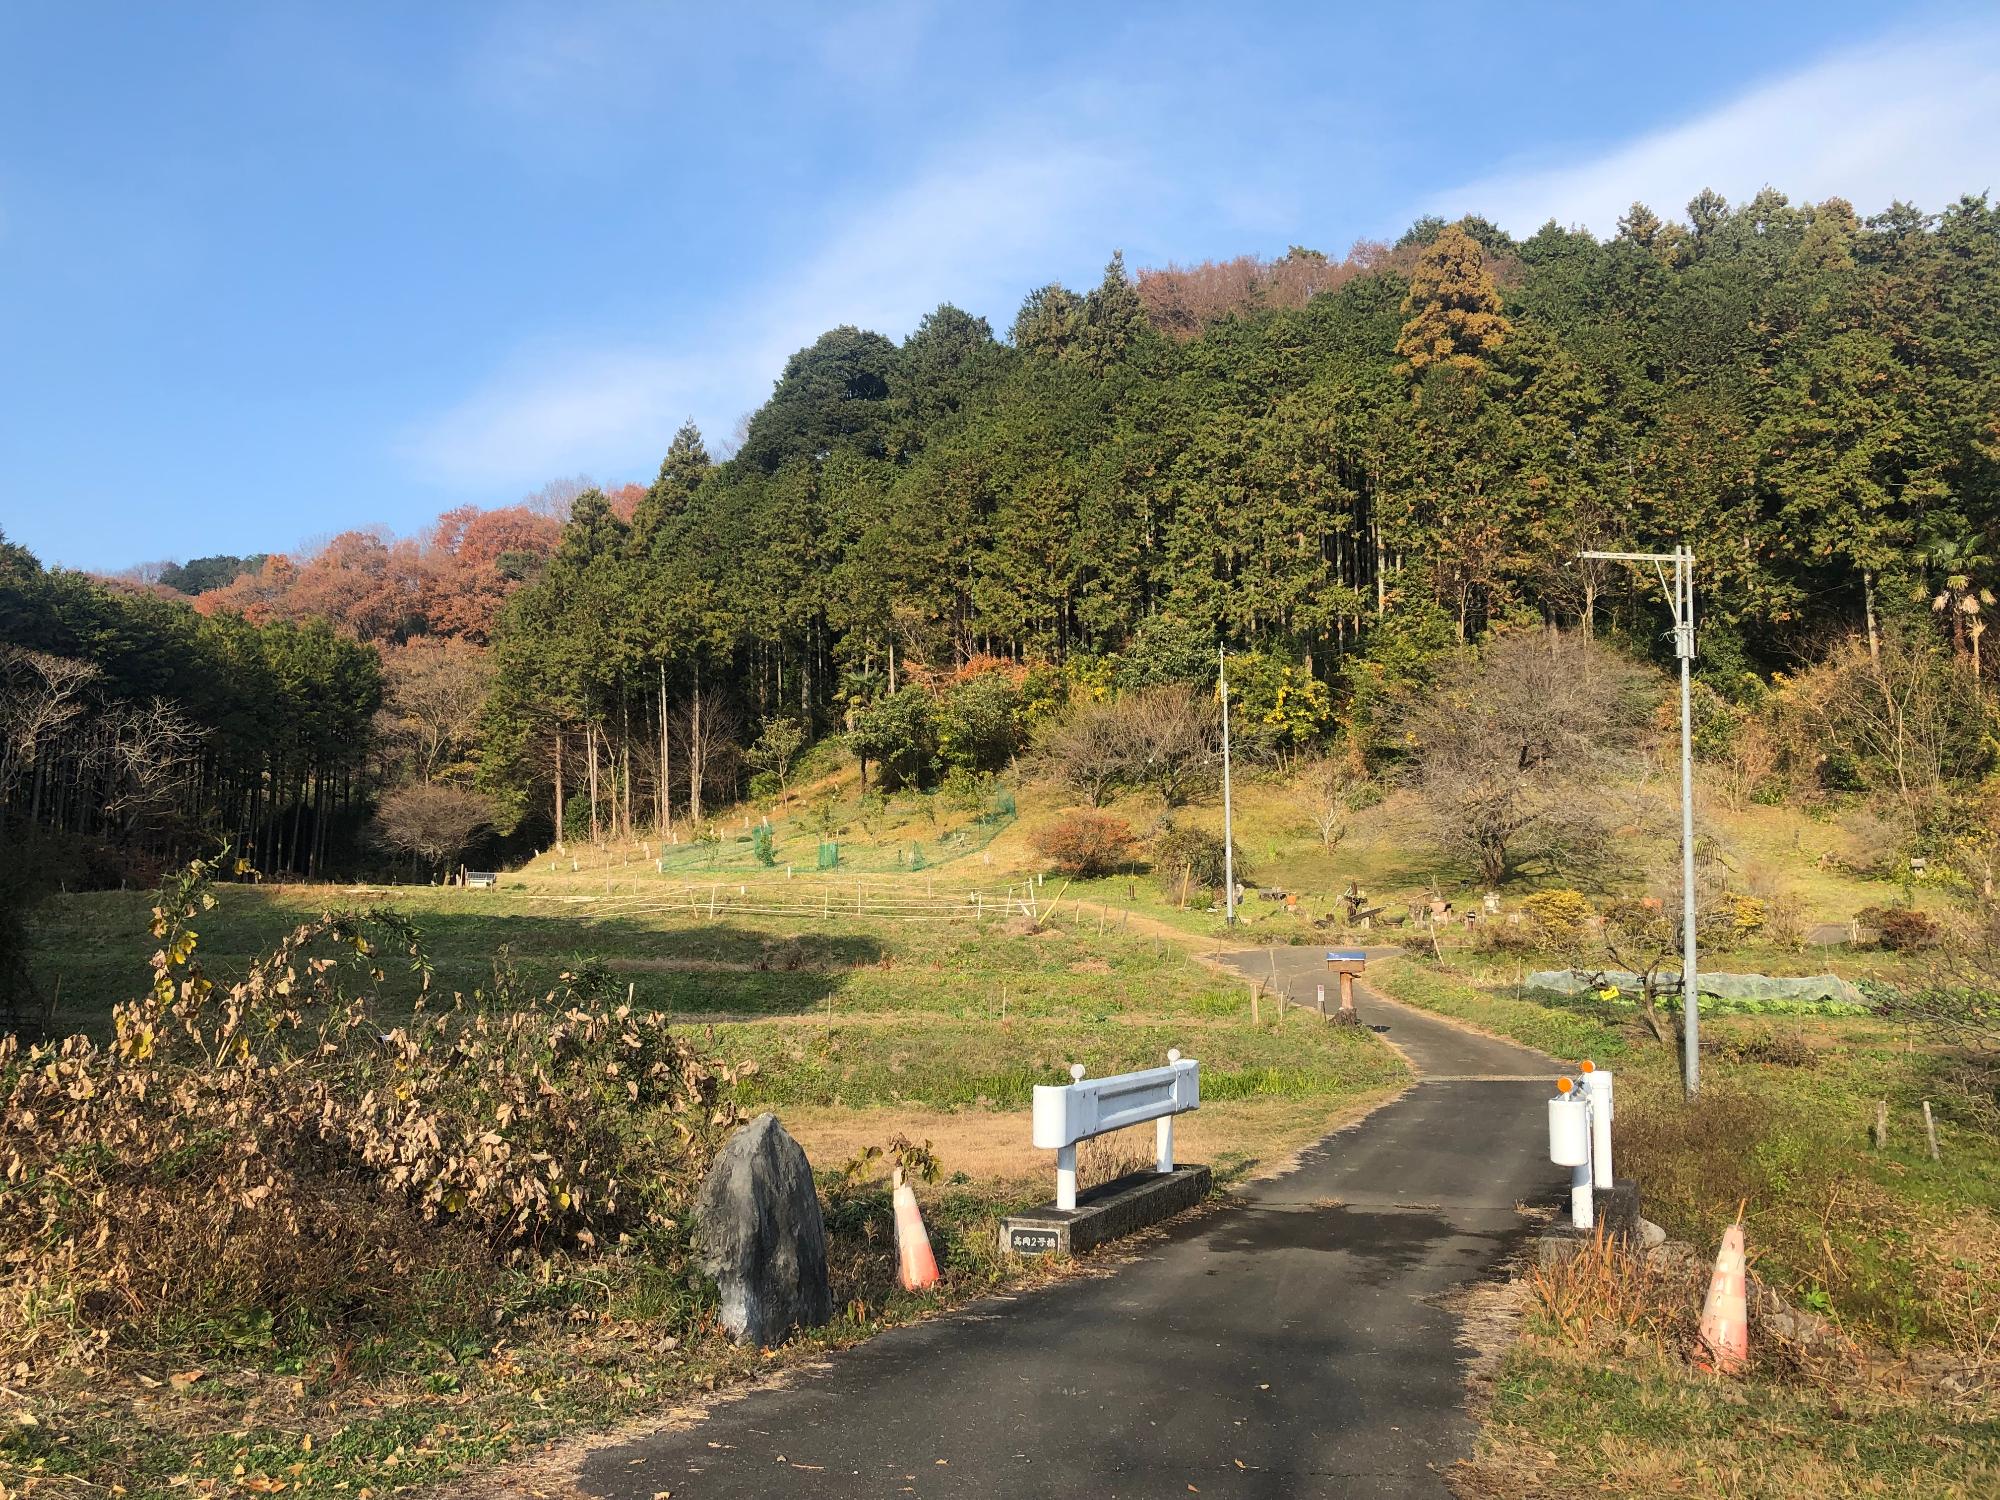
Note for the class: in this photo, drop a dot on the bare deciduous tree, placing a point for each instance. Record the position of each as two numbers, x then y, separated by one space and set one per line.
1905 715
1746 767
151 750
432 821
1177 740
1516 749
1328 785
707 725
1087 750
436 693
41 699
1167 737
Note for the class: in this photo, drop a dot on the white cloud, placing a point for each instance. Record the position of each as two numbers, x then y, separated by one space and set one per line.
976 229
556 413
1916 119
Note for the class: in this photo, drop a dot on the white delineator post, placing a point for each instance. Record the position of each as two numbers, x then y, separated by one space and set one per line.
1580 1138
1065 1114
1569 1146
1597 1089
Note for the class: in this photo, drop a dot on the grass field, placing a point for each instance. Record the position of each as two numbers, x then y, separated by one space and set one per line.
872 1009
1901 1252
907 992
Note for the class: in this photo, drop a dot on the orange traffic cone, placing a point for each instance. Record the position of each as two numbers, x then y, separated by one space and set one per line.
916 1267
1725 1334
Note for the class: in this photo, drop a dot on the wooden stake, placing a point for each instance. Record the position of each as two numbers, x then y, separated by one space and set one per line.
1881 1124
1255 1018
1930 1130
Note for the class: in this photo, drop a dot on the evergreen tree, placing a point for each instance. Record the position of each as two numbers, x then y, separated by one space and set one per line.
1454 309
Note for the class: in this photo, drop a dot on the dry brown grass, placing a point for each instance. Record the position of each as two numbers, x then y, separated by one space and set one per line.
1248 1137
1601 1396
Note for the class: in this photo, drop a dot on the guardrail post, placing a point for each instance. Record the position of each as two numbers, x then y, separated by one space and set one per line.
1163 1128
1066 1157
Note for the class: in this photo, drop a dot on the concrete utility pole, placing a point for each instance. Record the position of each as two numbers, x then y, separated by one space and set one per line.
1228 838
1680 599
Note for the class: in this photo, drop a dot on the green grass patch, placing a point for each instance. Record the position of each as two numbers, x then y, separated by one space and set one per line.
1598 1421
1562 1034
1904 1250
918 1003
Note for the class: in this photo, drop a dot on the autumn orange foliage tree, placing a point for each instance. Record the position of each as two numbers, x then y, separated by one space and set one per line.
1181 301
451 581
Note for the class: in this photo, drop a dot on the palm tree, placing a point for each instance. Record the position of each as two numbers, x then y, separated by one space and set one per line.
1960 561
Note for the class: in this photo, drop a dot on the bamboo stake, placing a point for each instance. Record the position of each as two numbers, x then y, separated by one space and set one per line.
1050 916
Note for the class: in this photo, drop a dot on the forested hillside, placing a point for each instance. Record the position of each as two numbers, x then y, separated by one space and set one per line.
1338 470
1338 484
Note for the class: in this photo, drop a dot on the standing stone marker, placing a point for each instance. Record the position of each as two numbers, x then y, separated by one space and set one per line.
760 1235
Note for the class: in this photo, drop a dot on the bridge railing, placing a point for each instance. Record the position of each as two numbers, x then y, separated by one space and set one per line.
1068 1113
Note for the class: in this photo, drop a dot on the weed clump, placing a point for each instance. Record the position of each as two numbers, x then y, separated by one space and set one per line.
1193 859
267 1154
1902 929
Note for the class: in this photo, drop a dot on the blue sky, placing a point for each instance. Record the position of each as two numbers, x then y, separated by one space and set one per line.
269 271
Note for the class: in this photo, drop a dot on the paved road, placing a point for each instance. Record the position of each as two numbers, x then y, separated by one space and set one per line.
1284 1348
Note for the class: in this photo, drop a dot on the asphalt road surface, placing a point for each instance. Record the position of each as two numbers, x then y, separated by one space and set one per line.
1291 1346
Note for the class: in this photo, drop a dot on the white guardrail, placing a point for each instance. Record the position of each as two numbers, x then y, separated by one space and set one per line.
1580 1138
1066 1113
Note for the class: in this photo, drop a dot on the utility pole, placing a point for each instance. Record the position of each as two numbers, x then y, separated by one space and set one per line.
1228 839
1680 599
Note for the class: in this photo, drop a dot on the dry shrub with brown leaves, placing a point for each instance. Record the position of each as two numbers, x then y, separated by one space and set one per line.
268 1152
